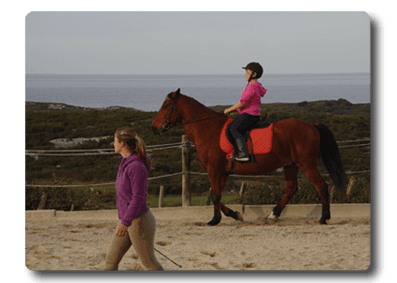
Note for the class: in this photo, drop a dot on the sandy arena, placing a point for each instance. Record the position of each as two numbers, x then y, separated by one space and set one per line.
80 240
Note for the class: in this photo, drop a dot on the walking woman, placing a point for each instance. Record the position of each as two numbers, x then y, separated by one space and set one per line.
137 224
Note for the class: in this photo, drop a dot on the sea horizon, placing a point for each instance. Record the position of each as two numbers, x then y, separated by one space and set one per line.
147 92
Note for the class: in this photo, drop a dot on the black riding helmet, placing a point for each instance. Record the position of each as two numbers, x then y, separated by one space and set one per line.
256 68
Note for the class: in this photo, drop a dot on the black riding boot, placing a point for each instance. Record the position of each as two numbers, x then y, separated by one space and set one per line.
242 147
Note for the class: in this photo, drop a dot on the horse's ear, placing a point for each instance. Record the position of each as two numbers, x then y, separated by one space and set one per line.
177 93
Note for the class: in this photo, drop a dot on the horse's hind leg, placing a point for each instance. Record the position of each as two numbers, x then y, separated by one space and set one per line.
291 180
314 176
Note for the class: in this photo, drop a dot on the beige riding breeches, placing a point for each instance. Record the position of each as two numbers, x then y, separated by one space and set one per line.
140 234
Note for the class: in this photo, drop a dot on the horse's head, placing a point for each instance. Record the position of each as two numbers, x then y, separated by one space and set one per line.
167 117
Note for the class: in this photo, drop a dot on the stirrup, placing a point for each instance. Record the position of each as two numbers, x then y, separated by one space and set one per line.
242 147
242 158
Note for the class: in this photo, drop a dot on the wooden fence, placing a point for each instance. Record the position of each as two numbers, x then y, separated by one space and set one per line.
185 145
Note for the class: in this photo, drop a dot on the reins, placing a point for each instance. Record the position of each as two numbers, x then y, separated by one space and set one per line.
201 119
173 107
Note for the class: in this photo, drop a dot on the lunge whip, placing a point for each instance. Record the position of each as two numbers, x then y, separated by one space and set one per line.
168 258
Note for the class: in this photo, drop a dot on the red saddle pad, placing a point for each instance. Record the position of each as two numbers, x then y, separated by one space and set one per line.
261 140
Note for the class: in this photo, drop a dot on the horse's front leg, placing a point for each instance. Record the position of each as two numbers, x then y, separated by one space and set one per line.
216 199
218 181
231 213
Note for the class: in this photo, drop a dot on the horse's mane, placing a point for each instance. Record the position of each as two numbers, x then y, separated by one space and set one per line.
205 107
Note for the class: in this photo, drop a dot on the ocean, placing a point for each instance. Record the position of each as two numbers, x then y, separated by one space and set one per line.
147 92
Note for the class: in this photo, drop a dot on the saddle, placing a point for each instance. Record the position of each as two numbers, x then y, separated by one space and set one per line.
259 138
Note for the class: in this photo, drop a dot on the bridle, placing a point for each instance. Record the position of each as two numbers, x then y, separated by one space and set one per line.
168 124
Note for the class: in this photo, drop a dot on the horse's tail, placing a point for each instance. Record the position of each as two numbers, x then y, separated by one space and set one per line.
331 158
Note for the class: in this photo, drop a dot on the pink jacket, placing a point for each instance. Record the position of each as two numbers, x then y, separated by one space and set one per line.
131 186
251 99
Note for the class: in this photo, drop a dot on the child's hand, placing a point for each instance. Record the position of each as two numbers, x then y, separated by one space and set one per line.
227 111
233 108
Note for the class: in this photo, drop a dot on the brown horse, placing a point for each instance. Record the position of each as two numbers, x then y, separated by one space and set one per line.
296 145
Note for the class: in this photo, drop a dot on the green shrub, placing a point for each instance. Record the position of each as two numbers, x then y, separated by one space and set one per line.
62 198
347 122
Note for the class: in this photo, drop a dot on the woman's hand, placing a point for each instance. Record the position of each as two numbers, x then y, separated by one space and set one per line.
121 230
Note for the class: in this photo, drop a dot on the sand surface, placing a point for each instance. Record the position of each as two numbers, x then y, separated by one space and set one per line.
79 241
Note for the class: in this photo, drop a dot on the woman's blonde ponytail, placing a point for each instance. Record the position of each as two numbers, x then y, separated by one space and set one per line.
141 151
135 143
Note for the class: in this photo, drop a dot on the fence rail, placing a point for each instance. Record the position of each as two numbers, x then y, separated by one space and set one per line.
99 151
180 173
151 148
105 151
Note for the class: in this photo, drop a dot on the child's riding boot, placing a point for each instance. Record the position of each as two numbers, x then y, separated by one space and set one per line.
242 147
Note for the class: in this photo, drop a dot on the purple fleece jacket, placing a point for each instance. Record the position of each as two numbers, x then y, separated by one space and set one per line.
131 186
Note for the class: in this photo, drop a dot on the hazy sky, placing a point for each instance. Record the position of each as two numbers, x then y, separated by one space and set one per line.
196 42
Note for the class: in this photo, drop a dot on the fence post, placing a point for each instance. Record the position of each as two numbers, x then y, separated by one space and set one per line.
43 201
185 170
161 196
241 189
350 187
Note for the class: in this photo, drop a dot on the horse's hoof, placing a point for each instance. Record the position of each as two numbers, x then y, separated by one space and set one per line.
239 216
273 217
213 222
322 221
216 219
